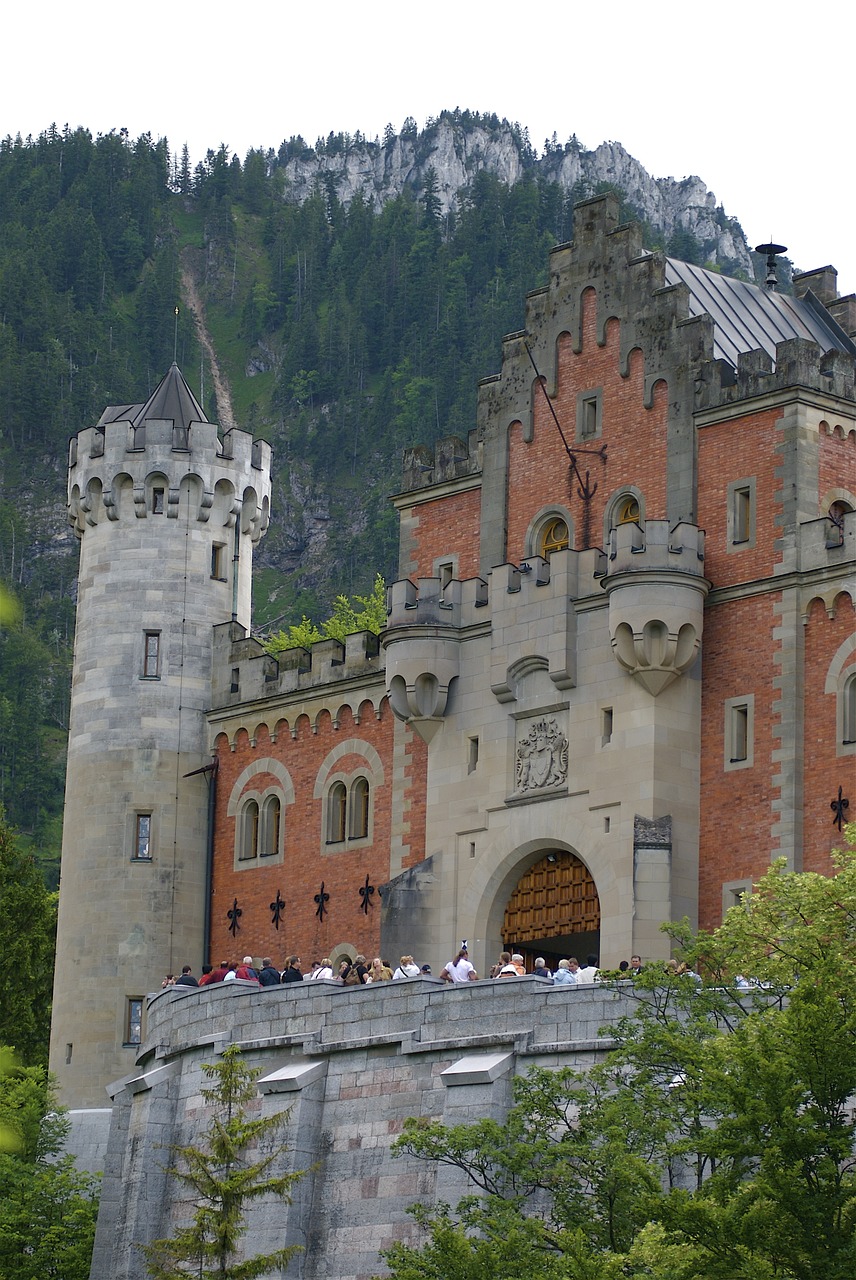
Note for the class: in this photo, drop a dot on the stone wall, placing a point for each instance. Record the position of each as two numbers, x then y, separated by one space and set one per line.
350 1065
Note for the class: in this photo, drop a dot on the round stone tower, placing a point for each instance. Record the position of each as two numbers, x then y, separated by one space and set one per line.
167 513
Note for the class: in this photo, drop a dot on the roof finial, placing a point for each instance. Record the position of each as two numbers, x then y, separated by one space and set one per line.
175 340
771 250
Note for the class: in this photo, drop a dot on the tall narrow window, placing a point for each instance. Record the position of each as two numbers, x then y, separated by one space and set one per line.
249 830
218 561
158 501
739 732
151 655
849 709
741 515
271 815
358 817
589 414
134 1020
143 837
606 720
742 507
337 800
445 573
472 755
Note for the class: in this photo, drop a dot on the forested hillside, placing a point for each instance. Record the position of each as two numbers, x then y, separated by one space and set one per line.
340 332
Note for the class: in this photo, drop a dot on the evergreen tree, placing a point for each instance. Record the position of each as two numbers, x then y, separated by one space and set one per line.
27 937
231 1167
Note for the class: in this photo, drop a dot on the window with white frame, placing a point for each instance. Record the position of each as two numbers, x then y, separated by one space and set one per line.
269 833
348 811
142 837
848 711
249 831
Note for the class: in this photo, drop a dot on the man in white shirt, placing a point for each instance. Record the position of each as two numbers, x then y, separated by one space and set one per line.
589 973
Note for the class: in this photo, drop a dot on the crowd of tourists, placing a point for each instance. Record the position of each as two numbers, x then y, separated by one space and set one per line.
360 972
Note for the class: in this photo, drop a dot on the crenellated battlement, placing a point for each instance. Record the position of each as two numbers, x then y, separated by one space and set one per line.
243 672
798 362
449 460
656 547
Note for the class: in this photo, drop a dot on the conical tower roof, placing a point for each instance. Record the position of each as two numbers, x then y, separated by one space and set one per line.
171 399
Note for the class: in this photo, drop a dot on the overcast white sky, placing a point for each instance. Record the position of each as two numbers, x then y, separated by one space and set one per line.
753 97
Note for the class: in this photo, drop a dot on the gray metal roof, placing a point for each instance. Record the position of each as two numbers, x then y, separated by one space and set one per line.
171 399
747 317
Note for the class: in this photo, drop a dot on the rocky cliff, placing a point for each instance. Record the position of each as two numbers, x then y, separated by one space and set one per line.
458 146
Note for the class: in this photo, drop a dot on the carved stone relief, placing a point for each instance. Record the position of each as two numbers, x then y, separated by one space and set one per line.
542 756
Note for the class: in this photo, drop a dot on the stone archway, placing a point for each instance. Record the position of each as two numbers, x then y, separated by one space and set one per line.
553 910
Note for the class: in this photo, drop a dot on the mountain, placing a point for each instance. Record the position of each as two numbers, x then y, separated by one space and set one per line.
341 301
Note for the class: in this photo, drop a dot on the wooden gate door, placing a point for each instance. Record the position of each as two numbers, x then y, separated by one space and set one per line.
556 897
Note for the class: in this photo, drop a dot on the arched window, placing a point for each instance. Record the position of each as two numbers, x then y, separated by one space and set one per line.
627 510
358 809
554 536
848 708
271 816
337 803
835 531
249 831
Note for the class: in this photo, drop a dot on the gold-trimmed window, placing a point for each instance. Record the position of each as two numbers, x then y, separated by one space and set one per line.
627 511
555 536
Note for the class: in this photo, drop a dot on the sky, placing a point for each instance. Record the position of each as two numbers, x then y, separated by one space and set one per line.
744 97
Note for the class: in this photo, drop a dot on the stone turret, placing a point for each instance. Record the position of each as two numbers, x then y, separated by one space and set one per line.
167 513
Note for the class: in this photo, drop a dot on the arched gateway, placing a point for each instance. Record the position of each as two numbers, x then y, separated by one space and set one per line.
553 911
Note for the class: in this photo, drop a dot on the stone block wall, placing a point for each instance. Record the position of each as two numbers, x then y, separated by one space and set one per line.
349 1065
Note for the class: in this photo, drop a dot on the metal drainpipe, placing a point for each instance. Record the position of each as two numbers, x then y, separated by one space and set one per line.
209 858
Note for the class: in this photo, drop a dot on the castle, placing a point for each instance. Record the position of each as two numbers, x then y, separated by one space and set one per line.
618 676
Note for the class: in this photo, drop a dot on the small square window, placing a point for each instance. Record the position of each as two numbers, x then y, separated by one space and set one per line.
143 837
589 423
134 1020
151 655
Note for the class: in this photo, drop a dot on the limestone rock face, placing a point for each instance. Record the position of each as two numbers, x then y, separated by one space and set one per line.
457 152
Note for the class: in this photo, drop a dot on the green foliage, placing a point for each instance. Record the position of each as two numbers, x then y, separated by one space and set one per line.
47 1208
717 1141
27 935
358 613
231 1167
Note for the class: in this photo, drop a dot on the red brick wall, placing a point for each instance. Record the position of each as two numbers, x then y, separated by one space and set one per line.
446 527
825 770
736 805
837 460
738 449
306 863
539 472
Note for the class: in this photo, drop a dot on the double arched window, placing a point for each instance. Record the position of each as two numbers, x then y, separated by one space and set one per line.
348 810
259 828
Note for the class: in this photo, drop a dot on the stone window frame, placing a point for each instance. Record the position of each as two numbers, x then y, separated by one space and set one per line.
243 795
133 1021
328 782
739 723
589 413
741 519
611 516
445 568
841 684
219 571
541 523
138 818
150 667
731 892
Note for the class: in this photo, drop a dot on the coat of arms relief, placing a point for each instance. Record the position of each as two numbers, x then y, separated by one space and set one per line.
542 756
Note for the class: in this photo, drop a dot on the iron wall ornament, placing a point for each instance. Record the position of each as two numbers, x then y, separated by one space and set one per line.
366 893
322 899
838 807
234 916
276 908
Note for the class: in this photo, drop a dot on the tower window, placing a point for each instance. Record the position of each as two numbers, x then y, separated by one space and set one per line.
151 655
606 721
628 510
472 755
158 501
134 1020
218 561
143 837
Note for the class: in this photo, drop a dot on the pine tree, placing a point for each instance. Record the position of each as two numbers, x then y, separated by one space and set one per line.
27 933
230 1167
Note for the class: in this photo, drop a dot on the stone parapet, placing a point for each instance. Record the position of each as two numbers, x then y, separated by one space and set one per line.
348 1066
